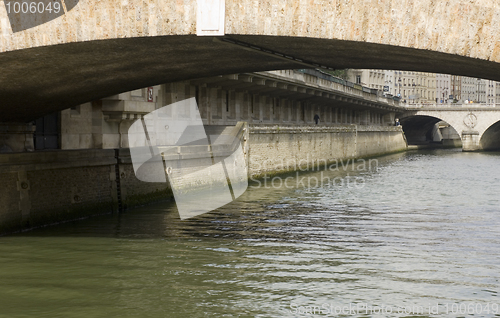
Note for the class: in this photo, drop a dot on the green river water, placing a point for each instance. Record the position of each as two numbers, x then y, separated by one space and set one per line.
417 235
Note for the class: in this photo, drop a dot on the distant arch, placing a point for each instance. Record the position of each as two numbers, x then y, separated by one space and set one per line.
490 140
421 129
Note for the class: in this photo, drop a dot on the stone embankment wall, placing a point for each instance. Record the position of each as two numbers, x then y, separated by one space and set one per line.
45 187
275 149
41 188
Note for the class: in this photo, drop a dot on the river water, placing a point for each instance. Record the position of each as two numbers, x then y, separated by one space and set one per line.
415 234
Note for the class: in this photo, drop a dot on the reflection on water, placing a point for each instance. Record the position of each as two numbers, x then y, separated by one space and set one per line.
421 231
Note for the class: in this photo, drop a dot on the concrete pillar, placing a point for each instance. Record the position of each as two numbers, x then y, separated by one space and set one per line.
16 137
470 140
294 108
203 105
260 104
364 117
238 99
267 109
389 119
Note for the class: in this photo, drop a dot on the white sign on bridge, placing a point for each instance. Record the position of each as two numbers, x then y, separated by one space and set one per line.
210 17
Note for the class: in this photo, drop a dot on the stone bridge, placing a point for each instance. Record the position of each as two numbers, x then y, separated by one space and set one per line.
101 48
478 127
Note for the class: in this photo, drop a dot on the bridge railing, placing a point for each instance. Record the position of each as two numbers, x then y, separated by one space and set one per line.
323 80
452 105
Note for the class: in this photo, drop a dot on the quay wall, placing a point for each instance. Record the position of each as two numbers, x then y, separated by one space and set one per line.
45 187
39 188
275 149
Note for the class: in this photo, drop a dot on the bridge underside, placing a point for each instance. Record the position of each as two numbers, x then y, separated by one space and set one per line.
491 138
41 80
418 129
430 132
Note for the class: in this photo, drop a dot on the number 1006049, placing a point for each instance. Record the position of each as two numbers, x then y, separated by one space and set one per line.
33 7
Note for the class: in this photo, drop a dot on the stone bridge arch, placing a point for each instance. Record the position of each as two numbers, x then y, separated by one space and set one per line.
490 139
420 129
470 124
101 48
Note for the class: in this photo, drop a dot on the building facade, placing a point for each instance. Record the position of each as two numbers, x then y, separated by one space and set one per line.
470 90
456 88
419 88
415 87
443 89
367 77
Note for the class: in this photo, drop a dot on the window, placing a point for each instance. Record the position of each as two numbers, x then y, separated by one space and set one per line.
358 79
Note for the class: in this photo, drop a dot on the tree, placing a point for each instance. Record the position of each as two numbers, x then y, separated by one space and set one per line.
337 73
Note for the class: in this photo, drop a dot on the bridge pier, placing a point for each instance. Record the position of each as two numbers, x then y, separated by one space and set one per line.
471 140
